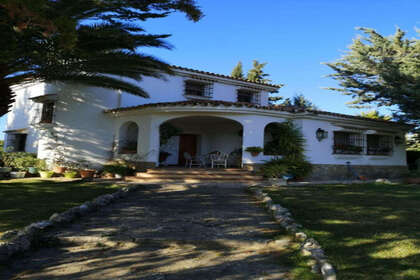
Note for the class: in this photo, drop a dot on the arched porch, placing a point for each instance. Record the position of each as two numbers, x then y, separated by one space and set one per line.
200 136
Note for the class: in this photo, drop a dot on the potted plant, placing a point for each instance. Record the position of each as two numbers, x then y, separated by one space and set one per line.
18 174
71 174
119 170
85 171
43 170
254 150
59 166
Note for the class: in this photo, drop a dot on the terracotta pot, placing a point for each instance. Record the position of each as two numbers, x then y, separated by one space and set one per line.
255 154
59 169
88 173
412 180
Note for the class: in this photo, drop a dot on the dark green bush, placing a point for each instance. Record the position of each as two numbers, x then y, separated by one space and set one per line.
19 160
118 168
278 167
274 170
287 141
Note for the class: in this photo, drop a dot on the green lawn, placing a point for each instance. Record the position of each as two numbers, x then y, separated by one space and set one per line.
25 201
369 231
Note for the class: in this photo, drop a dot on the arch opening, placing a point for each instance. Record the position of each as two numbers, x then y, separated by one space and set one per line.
128 138
200 137
272 134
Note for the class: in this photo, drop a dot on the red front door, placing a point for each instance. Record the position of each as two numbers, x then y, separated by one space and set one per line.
187 144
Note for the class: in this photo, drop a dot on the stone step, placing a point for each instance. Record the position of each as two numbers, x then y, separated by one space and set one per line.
167 171
188 180
214 176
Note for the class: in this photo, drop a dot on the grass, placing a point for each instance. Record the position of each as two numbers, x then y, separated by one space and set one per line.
369 231
24 201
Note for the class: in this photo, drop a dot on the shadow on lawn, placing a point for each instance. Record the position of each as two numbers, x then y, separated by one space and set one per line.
29 200
368 231
167 233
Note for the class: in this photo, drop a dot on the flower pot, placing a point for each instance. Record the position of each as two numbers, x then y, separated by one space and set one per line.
87 173
70 174
33 170
59 169
255 154
46 174
412 180
5 169
17 174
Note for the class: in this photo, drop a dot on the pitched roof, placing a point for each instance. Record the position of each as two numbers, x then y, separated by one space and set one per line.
215 103
224 76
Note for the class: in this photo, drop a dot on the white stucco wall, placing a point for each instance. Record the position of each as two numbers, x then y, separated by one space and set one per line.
171 89
25 112
321 152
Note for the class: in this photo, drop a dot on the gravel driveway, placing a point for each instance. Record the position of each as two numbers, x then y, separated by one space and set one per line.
164 232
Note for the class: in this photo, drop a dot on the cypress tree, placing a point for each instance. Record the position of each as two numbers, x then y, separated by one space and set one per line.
237 72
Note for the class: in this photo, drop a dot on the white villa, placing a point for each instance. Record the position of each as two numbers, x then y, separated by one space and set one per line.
212 112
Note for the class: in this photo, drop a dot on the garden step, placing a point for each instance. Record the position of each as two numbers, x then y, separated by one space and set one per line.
188 180
167 171
199 176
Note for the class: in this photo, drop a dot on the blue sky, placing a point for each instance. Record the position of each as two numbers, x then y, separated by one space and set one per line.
293 36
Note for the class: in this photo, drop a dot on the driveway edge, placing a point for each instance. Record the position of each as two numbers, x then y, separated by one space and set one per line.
16 242
308 246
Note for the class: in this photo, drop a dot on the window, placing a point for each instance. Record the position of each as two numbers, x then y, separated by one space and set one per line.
47 112
348 143
248 96
16 142
198 88
379 144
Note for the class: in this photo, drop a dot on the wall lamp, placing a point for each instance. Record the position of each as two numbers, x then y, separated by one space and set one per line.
321 134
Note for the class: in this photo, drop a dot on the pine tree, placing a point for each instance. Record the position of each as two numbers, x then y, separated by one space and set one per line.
256 74
237 72
299 100
374 114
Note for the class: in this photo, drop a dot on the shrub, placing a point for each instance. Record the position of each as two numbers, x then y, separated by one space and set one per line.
118 168
19 160
254 149
287 140
297 167
71 174
274 170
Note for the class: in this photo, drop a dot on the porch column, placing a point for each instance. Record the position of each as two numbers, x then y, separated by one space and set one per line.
253 135
152 153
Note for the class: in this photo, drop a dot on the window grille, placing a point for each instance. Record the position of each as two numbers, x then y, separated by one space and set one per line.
47 112
196 88
379 144
348 143
248 96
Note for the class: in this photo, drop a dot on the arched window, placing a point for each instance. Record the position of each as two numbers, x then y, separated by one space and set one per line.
272 132
129 132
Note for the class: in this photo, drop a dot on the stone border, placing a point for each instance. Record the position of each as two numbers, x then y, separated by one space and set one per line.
308 246
13 242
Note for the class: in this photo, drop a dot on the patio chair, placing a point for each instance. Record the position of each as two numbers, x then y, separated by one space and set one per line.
191 161
219 160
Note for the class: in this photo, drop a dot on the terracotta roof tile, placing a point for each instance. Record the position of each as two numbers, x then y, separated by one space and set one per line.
215 103
224 76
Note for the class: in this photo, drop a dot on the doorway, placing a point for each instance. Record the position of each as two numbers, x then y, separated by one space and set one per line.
187 144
